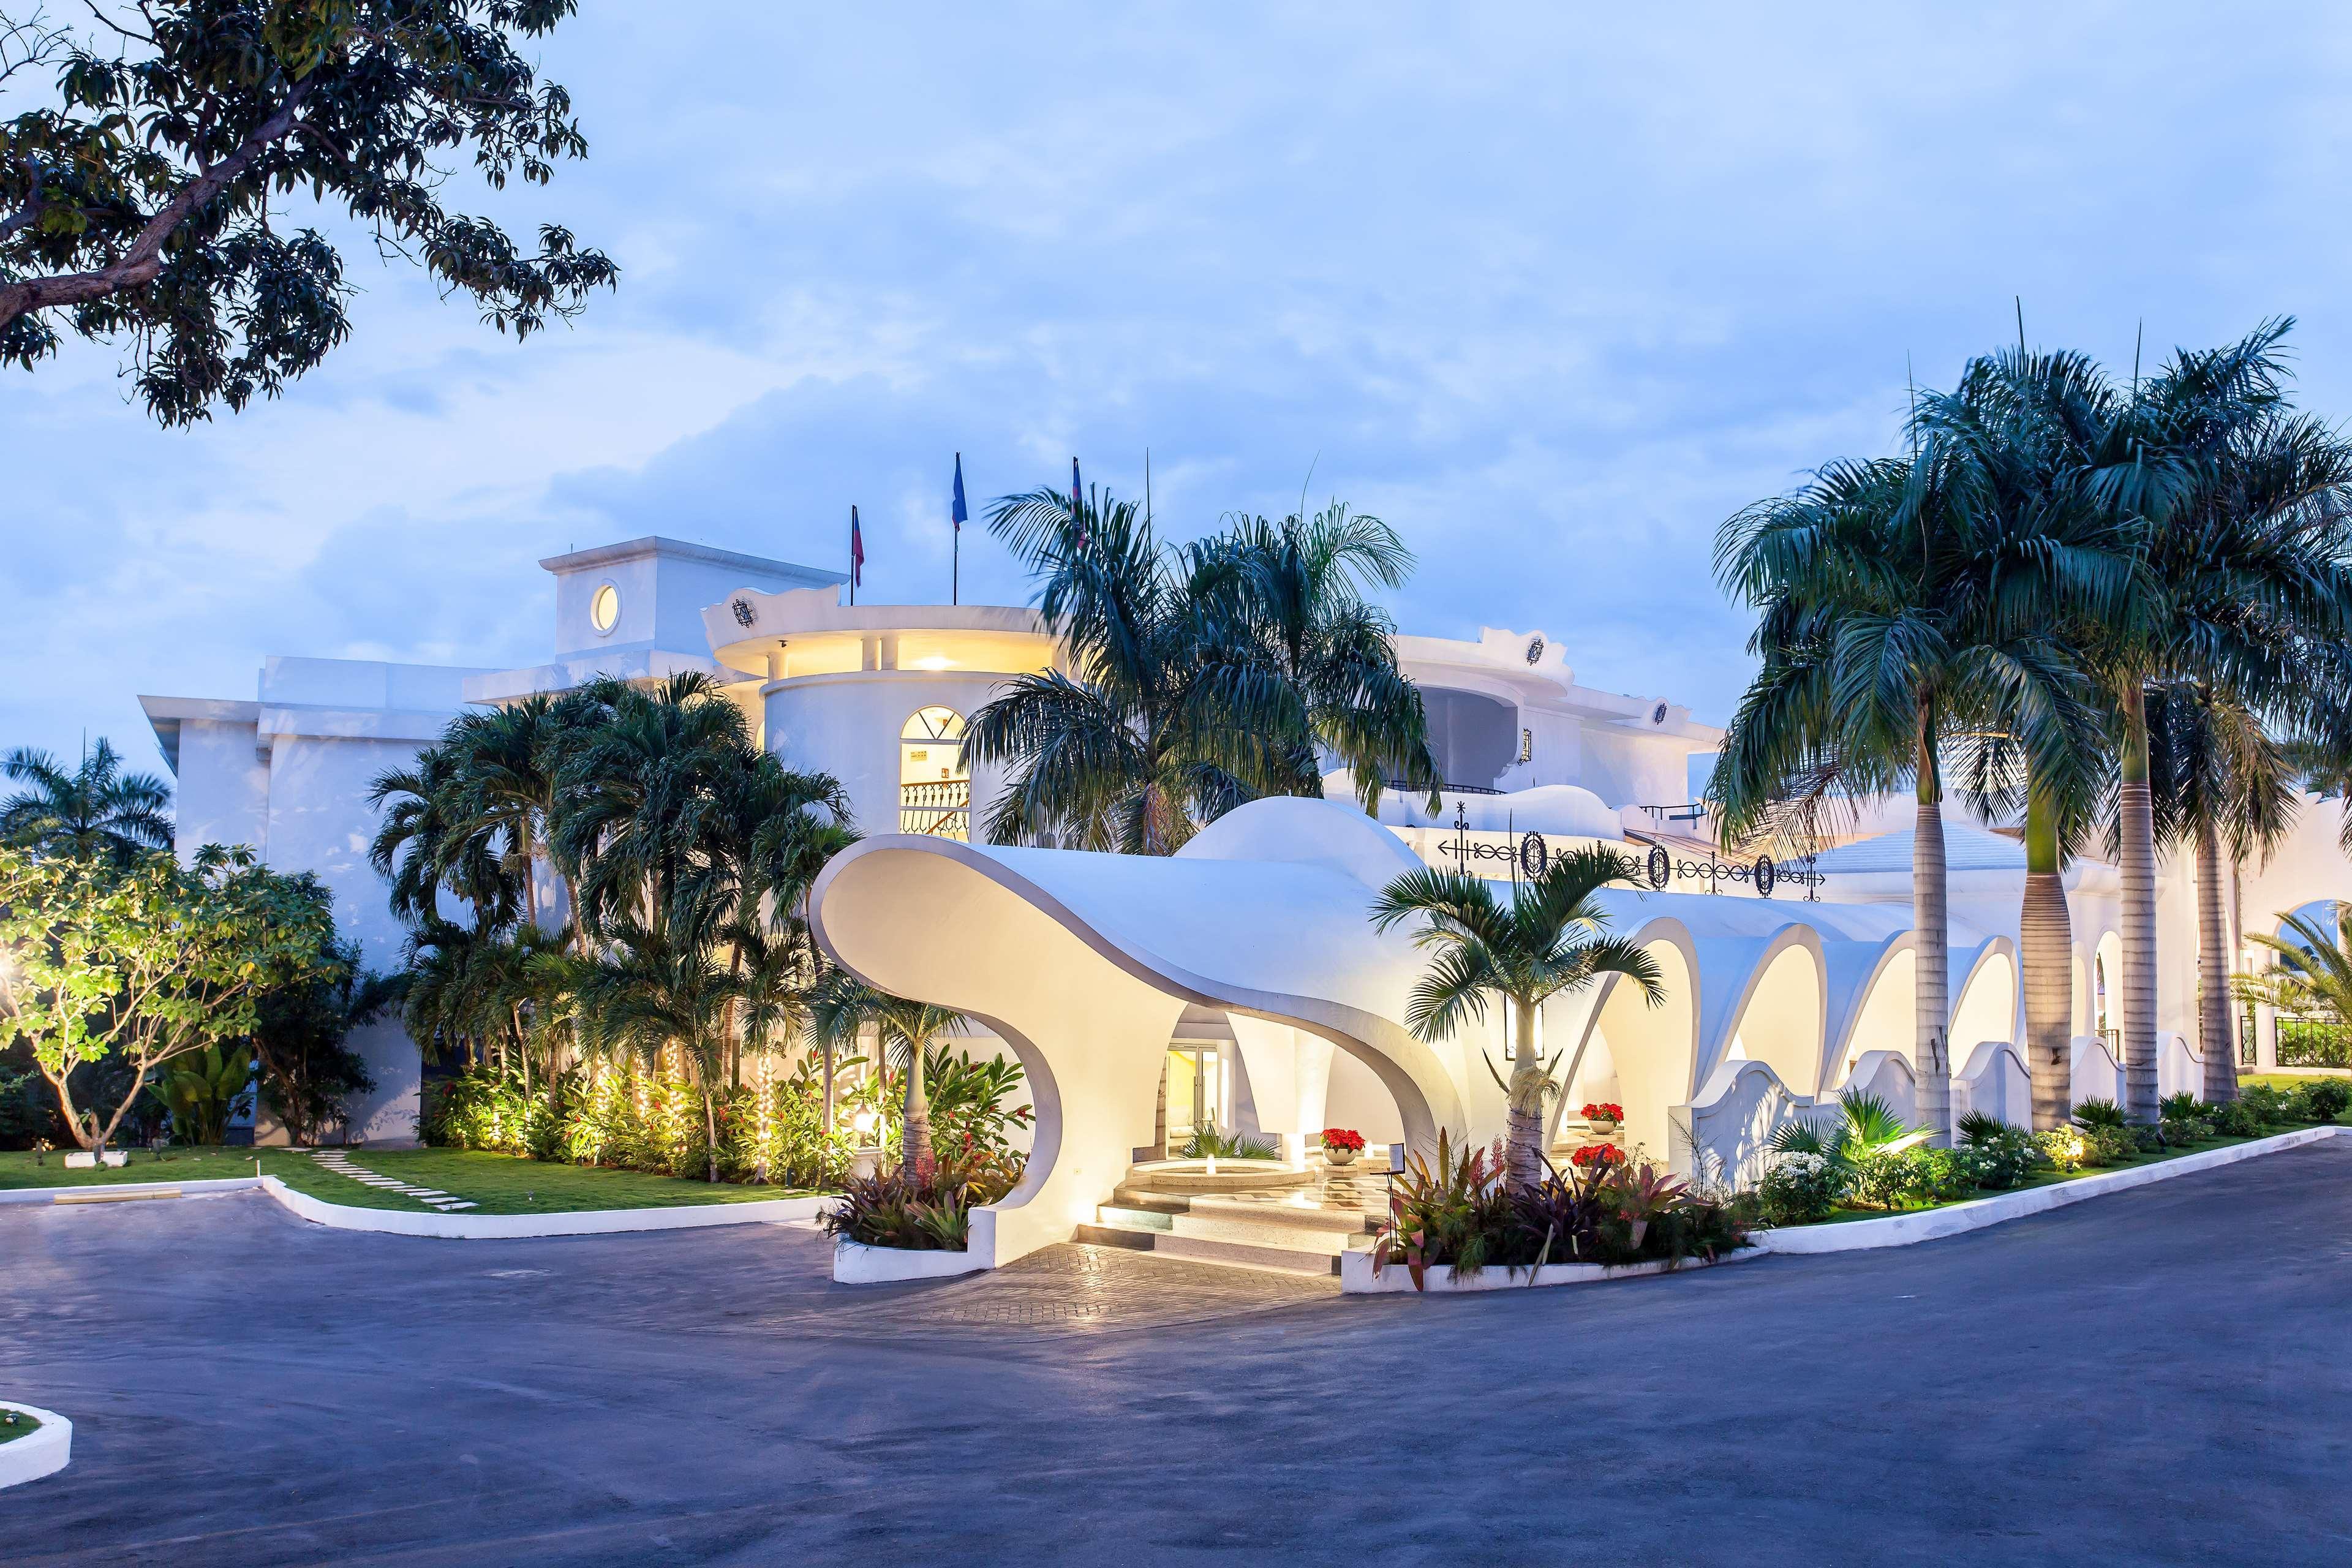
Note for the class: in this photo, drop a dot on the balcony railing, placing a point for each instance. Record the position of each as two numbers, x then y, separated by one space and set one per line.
942 810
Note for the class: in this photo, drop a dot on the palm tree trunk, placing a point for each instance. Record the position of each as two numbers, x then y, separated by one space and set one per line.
1930 923
709 1133
2136 823
914 1138
2213 972
1523 1148
2046 959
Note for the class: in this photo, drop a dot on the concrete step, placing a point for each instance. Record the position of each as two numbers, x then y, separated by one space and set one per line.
1241 1254
1270 1238
1307 1218
1117 1235
1128 1196
1131 1218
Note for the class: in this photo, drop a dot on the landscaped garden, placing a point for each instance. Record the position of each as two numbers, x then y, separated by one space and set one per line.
15 1423
1870 1164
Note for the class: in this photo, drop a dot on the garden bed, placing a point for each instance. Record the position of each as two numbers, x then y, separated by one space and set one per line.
29 1452
1356 1276
856 1263
1862 1231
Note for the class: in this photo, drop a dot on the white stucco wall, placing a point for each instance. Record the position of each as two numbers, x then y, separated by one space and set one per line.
849 724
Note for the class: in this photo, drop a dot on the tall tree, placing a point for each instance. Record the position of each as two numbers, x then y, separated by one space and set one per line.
1163 717
1882 663
172 196
2246 576
95 812
1298 587
2217 778
843 1008
2023 450
1550 937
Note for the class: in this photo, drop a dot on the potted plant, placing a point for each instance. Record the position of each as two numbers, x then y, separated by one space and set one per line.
1597 1157
1341 1145
1604 1117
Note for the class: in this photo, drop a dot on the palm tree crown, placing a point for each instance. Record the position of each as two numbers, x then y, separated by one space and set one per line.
95 812
1551 937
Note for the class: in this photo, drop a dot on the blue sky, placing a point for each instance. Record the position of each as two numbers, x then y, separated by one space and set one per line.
1554 294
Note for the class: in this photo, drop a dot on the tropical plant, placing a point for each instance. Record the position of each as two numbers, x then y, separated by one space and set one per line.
844 1007
142 965
2244 584
1451 1208
1865 1123
2310 970
1295 588
1887 661
1801 1188
158 199
1164 714
204 1091
1552 939
1208 1143
95 812
2090 1113
924 1207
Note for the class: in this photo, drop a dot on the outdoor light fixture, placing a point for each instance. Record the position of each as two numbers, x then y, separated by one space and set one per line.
864 1123
934 661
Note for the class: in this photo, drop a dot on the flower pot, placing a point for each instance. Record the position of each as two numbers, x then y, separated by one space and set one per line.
1332 1156
1603 1129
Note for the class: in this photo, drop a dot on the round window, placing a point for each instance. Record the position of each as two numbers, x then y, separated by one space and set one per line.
605 609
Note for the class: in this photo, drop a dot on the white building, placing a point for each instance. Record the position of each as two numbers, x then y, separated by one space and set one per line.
1239 981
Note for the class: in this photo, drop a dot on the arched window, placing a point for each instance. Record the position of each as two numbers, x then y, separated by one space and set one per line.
934 786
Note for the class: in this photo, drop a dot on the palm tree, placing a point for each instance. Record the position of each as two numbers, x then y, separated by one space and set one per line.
1298 586
661 984
1162 719
2246 580
2215 773
504 764
2312 975
1551 938
1883 651
844 1007
2020 448
95 812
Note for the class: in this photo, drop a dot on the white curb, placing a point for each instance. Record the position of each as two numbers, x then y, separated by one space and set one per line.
104 1192
1929 1225
506 1226
854 1263
1357 1278
44 1453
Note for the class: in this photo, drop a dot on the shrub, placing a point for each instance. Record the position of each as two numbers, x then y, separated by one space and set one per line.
1208 1143
2063 1147
1800 1189
2090 1113
2324 1098
2242 1119
2181 1107
1881 1178
2000 1156
2267 1103
1940 1175
1452 1211
2109 1145
927 1208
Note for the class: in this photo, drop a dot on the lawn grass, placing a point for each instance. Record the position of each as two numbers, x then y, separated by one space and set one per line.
2288 1081
497 1184
15 1423
507 1183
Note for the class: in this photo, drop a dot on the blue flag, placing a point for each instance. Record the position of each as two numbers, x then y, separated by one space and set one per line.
957 513
1077 495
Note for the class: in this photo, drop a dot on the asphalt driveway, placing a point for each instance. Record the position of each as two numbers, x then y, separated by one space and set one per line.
2159 1376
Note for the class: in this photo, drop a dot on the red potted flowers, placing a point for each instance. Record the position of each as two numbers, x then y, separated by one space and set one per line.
1597 1157
1604 1117
1341 1145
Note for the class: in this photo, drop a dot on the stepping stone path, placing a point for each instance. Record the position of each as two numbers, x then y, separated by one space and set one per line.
338 1162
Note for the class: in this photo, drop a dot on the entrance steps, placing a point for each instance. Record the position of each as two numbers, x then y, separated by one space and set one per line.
1291 1230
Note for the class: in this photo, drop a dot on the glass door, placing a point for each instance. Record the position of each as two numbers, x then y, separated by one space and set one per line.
1195 1091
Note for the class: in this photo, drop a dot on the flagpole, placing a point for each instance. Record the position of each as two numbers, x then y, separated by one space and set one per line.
853 552
955 555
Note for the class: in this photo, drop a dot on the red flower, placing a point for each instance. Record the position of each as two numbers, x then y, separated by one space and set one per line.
1342 1138
1597 1154
1602 1110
